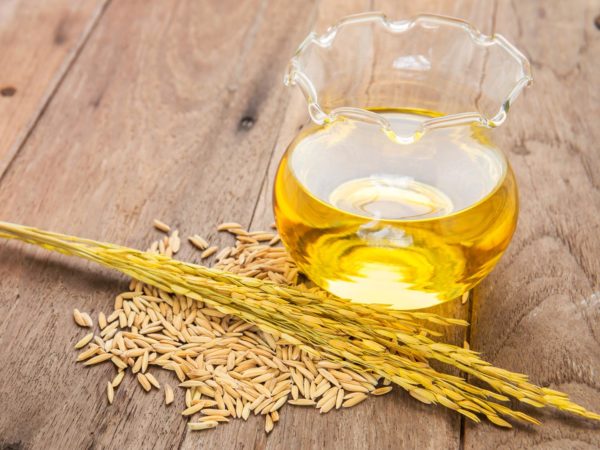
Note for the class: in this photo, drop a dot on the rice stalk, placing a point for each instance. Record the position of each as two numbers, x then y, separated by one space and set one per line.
392 344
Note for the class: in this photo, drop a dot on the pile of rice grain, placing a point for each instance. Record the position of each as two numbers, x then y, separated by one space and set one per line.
227 367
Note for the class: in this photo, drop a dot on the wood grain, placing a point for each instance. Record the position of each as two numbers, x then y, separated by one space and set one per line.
176 110
539 311
406 423
38 42
146 124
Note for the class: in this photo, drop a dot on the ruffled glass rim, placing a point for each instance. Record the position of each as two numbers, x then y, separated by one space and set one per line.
295 75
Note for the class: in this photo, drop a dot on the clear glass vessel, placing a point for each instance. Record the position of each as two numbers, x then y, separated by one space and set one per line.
396 193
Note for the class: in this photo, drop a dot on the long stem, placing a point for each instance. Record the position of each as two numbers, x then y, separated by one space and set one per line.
390 343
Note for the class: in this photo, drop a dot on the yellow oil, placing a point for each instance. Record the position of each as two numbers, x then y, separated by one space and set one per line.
407 225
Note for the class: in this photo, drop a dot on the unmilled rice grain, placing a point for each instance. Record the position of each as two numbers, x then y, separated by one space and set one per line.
153 381
98 359
209 252
118 378
82 319
355 400
169 397
268 423
227 367
110 392
144 382
101 320
381 391
84 341
161 226
198 242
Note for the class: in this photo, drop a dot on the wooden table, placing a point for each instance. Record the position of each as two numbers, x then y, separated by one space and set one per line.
114 113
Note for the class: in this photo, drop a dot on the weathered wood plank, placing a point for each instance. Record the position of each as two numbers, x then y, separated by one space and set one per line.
539 311
38 42
147 124
180 114
396 421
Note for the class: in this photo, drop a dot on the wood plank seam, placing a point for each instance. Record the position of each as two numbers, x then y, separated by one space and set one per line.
263 182
53 88
472 297
237 74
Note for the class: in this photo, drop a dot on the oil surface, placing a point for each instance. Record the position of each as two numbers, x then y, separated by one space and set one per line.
380 222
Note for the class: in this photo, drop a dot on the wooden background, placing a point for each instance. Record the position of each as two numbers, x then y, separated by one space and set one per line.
113 113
